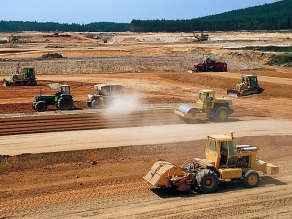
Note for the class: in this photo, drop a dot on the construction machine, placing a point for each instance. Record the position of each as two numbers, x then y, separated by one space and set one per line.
24 77
209 64
104 94
201 37
207 106
63 100
224 161
248 86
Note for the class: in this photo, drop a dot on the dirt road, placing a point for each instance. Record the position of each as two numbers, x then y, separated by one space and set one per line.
149 135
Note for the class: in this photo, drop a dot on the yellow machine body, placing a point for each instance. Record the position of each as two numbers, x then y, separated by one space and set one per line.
207 106
26 76
224 159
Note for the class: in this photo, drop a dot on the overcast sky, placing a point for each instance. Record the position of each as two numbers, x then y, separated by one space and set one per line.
120 11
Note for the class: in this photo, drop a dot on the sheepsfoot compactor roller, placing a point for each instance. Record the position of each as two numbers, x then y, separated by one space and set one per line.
104 94
248 86
207 106
224 161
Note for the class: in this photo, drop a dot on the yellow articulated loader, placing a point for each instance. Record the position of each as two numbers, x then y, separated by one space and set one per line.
207 106
224 161
248 86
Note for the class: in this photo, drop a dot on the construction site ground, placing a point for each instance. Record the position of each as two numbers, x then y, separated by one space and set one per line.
88 163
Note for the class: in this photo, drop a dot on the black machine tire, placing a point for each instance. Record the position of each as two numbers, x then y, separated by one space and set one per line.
89 104
251 179
41 106
5 82
65 103
207 181
96 104
221 114
218 69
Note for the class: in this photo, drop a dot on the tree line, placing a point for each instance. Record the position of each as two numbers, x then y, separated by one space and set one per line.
16 26
272 16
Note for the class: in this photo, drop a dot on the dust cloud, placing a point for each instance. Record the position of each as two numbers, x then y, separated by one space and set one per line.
124 105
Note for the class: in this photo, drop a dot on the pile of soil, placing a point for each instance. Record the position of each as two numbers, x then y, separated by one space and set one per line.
52 56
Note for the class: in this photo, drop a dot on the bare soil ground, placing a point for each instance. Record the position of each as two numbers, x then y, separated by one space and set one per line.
107 182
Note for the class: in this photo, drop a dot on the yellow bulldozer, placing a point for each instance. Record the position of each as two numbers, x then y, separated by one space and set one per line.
200 37
26 76
224 161
248 86
207 106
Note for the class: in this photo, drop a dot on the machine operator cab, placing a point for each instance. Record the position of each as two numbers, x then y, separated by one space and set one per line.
250 80
205 98
221 149
65 89
62 89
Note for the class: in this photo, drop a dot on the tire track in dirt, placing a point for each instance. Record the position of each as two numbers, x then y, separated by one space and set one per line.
135 199
29 125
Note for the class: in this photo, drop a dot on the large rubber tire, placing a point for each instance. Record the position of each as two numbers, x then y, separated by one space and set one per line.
218 69
65 103
96 104
207 181
221 114
251 179
41 106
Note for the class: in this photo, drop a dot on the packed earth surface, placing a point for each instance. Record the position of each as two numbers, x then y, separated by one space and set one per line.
89 163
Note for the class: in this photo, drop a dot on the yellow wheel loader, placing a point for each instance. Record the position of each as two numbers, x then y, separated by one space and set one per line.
224 161
248 86
207 106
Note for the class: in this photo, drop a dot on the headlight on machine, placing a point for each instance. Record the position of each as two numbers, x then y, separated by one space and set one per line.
230 104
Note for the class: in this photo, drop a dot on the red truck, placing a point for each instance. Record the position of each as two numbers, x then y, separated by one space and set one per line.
210 64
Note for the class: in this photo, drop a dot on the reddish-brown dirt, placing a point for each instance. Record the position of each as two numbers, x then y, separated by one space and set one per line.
107 182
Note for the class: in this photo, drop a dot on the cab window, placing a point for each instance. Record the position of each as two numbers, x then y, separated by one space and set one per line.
232 148
212 145
65 90
223 148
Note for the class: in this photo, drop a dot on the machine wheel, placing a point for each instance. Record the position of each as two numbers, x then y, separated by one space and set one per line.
190 121
41 106
251 179
207 181
221 114
218 69
96 104
65 103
